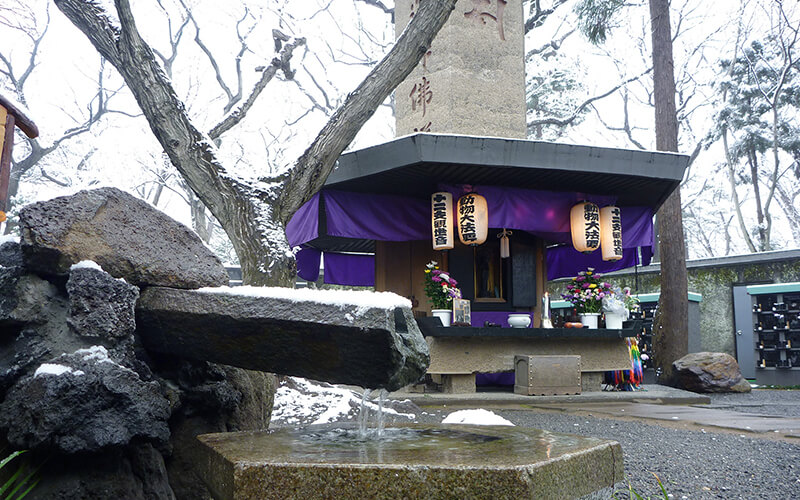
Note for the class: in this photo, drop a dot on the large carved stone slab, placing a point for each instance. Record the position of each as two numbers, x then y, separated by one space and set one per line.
125 235
472 80
284 331
413 461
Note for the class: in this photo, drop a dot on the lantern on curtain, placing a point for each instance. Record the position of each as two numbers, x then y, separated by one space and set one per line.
504 246
473 219
585 226
611 233
442 220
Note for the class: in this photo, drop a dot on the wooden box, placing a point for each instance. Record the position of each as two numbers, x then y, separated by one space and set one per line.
547 375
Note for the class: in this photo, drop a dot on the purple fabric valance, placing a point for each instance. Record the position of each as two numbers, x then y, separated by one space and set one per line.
543 213
637 232
397 218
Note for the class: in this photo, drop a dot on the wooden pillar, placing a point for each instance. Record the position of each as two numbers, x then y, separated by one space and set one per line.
6 143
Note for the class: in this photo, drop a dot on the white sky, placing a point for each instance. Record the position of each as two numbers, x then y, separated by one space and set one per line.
126 154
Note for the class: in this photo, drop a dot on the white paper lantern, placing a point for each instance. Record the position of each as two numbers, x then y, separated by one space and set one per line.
585 226
611 233
473 219
442 220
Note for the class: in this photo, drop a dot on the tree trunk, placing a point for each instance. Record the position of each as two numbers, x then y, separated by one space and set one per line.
671 327
253 215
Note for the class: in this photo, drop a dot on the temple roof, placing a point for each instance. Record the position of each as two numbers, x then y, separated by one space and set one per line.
413 165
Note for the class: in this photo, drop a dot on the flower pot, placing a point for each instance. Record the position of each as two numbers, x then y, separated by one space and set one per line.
589 319
519 320
444 315
614 321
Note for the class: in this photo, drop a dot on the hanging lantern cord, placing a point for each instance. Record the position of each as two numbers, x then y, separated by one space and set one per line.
505 232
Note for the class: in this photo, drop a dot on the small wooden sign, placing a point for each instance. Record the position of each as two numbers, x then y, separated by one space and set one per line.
462 312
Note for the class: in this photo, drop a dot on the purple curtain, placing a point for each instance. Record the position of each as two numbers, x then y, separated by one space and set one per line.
349 269
397 218
304 224
308 263
637 232
543 213
377 217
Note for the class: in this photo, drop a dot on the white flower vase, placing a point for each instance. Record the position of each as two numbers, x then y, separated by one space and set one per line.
614 321
589 319
444 315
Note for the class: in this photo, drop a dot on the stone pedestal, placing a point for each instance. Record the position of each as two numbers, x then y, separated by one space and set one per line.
472 80
414 461
458 383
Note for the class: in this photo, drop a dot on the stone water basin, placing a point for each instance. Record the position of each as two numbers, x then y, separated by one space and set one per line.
408 461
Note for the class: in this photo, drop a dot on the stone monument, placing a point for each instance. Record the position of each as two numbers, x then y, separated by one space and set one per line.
472 79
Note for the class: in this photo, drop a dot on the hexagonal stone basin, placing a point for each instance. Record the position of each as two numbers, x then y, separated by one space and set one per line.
410 461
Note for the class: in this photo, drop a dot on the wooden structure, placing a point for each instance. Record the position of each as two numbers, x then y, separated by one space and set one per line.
414 167
10 116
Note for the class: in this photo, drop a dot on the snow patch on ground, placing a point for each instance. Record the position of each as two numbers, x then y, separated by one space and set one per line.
302 402
362 300
475 417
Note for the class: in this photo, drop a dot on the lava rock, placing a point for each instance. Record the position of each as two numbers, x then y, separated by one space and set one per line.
123 234
341 343
84 402
100 305
709 372
137 472
10 254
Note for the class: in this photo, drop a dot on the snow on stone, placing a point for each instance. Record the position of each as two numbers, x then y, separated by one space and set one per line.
52 369
302 402
86 264
8 238
475 417
361 299
99 354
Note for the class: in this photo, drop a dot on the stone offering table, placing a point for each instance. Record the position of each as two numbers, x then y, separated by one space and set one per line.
458 353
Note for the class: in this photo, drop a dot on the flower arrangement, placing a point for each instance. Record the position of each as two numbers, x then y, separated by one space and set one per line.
586 292
631 302
440 288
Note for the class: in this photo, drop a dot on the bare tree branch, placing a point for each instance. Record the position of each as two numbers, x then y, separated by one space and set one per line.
562 122
282 63
313 167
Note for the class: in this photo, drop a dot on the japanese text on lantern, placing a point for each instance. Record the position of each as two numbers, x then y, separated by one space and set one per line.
466 221
480 14
592 229
616 230
442 220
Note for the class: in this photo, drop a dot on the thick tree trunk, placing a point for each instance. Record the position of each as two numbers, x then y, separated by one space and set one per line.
253 217
671 328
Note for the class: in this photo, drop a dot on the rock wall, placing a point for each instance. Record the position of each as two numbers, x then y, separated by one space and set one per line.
107 418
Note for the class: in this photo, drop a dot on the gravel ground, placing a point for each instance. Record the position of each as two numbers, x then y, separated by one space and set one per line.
761 401
691 464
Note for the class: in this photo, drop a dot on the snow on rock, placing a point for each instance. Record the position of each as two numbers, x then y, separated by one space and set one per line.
362 299
302 402
8 238
475 417
51 369
86 264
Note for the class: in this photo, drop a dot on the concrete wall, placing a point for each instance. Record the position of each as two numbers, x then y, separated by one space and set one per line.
714 280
